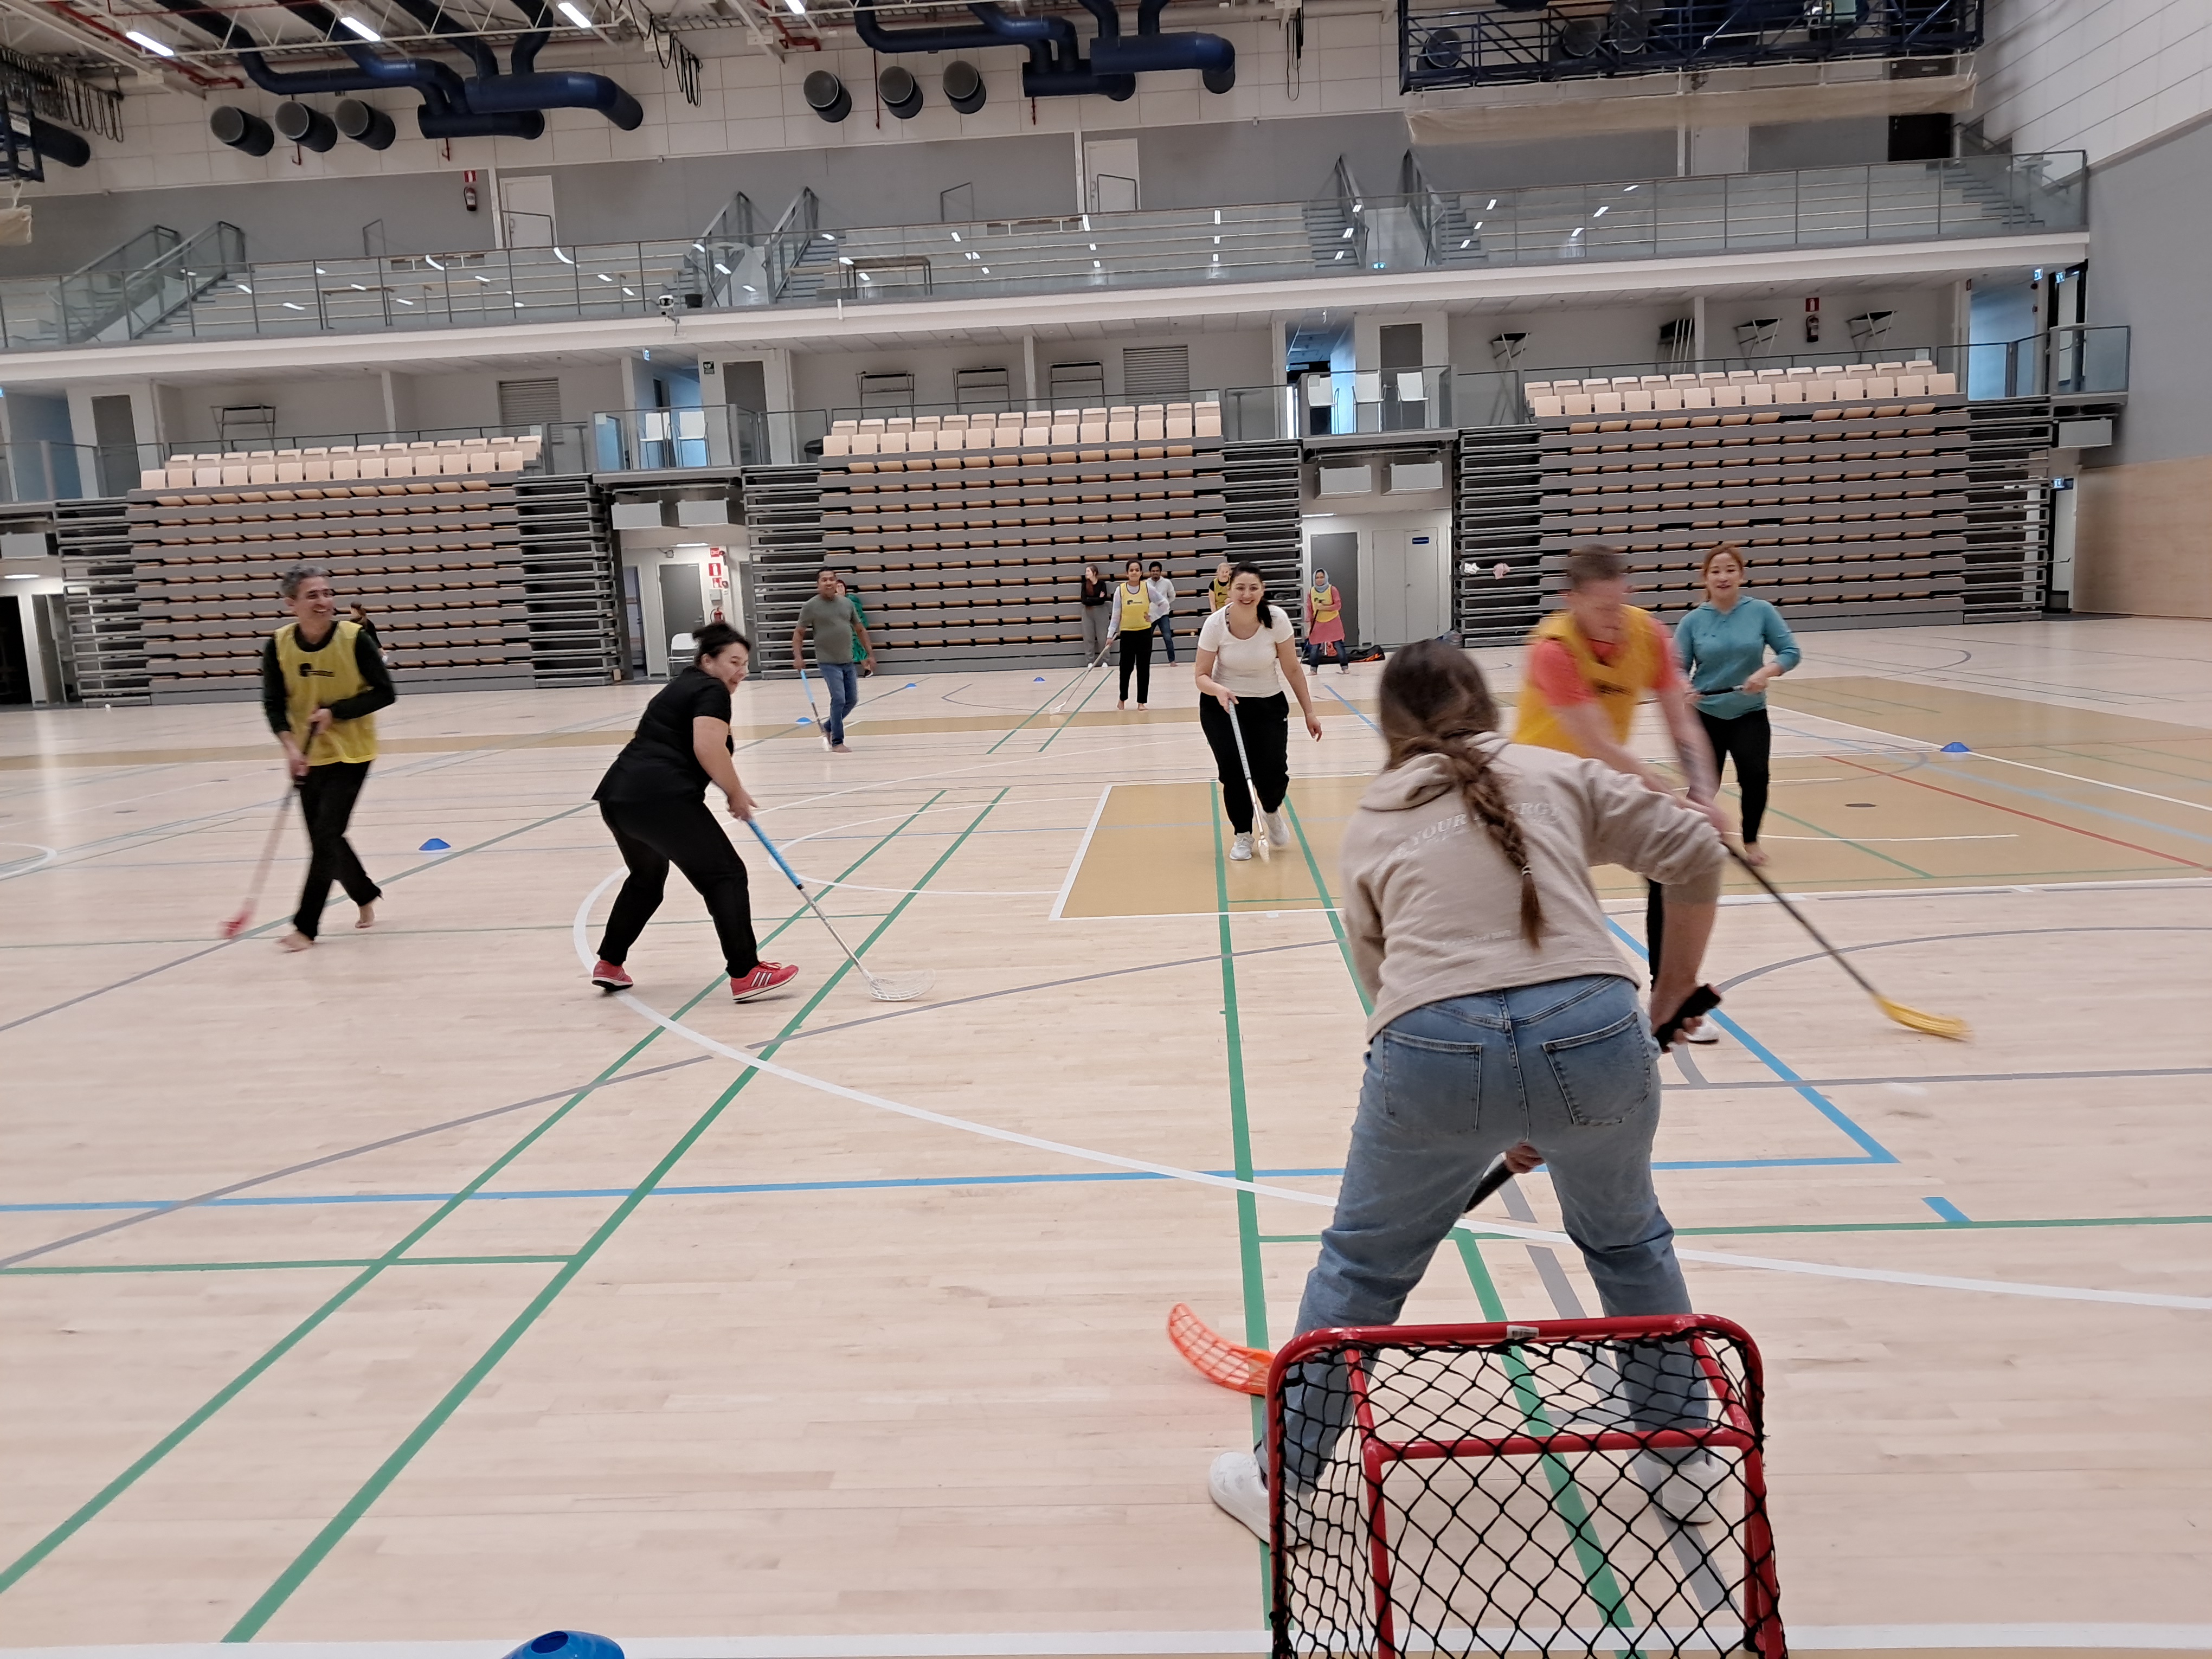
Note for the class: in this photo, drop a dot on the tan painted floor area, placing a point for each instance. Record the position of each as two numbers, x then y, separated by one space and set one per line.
503 1308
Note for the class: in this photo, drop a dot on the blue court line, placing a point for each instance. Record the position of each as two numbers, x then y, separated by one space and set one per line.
1874 1151
1314 676
1948 1210
771 1187
1988 781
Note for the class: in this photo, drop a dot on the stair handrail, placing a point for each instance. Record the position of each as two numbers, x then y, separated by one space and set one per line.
786 244
88 300
1420 203
166 285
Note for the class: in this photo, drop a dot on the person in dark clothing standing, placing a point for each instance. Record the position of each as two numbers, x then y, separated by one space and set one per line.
653 800
322 682
1097 592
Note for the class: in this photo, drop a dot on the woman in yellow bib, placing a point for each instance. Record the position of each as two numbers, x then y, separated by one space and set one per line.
1589 665
1325 623
1132 608
322 682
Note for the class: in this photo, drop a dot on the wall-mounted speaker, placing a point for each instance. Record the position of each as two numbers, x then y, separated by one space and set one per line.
901 93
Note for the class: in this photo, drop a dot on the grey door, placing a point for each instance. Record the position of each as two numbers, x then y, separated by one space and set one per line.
683 603
1337 553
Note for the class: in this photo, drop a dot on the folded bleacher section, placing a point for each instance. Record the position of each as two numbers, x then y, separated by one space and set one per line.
474 574
968 534
1852 490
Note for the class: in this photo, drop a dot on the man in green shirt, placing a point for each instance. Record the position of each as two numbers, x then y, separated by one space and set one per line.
836 624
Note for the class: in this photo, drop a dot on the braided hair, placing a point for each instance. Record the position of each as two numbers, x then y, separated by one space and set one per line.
1435 702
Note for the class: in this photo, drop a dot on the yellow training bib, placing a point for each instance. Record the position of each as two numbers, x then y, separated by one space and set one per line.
1136 609
1620 685
316 679
1327 605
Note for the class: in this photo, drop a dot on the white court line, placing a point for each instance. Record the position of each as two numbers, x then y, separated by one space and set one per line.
2094 783
1129 1644
1885 841
48 854
1082 851
577 931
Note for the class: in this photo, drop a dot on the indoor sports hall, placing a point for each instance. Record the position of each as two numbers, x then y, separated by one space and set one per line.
1003 499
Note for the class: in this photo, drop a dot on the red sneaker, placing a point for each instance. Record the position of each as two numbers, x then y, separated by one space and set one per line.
609 977
768 976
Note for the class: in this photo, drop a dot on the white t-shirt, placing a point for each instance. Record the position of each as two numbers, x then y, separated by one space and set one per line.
1247 667
1162 595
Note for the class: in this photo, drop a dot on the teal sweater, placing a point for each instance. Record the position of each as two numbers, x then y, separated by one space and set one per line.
1721 649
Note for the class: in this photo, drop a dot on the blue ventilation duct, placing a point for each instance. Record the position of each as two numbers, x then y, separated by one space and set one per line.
1057 67
490 104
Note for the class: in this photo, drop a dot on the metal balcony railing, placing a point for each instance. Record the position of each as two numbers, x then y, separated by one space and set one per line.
205 289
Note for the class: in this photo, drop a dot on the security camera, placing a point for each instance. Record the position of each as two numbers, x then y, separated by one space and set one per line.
667 304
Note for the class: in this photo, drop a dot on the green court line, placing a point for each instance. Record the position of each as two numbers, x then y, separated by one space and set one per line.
319 1548
1566 1496
1329 904
76 1521
264 1266
1248 1208
1078 709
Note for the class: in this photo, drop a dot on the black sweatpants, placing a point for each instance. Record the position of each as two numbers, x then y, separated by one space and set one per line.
1137 654
652 834
1750 738
1265 723
326 797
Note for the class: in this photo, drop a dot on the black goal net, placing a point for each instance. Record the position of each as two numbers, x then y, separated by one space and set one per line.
1578 1487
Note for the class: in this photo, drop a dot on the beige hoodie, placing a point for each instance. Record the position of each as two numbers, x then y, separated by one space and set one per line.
1433 909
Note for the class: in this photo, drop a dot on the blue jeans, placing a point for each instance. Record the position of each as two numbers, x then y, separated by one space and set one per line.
1567 1066
842 682
1167 636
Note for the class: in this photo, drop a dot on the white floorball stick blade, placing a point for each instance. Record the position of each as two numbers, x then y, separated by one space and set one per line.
900 988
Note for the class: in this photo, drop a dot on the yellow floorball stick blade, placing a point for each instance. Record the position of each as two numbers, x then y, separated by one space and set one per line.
1941 1025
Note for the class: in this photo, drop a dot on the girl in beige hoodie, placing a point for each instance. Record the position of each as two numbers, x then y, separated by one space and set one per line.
1505 1019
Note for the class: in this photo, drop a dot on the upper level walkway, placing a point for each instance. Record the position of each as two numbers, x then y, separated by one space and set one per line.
162 288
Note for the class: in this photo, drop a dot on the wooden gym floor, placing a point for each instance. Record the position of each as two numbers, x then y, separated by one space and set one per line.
408 1291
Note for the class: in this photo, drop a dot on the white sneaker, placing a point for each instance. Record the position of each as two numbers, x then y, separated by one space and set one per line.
1241 849
1279 829
1684 1491
1705 1036
1237 1487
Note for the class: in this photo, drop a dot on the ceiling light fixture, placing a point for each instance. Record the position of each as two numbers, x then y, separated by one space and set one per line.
722 268
403 302
575 14
159 48
631 292
562 257
1603 211
360 27
288 306
241 287
750 288
605 277
796 7
956 235
358 288
987 271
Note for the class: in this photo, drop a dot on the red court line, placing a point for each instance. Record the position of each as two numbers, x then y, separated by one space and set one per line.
2070 829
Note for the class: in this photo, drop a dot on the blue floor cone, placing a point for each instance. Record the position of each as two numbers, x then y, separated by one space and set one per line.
434 845
568 1644
1955 747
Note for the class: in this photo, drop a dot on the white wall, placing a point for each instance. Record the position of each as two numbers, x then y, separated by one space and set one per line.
2102 75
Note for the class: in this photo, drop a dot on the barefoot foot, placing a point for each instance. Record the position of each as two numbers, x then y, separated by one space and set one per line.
366 917
295 940
1752 855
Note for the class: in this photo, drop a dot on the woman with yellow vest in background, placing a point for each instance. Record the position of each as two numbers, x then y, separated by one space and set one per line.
322 682
1325 623
1589 665
1218 594
1133 608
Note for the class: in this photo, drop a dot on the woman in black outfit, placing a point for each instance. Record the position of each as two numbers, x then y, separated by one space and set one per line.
653 800
1097 592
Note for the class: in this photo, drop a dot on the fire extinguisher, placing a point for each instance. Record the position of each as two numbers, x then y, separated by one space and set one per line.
1812 320
469 190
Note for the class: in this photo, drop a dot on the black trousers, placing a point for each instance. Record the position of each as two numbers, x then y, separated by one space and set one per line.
652 834
1137 654
326 797
1750 738
1265 723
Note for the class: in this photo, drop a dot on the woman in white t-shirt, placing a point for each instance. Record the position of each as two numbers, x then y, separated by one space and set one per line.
1244 654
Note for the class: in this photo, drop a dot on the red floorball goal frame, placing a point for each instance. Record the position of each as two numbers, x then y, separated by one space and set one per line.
1575 1486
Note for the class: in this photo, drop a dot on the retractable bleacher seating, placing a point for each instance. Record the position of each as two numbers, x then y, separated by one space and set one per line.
969 533
1846 486
425 534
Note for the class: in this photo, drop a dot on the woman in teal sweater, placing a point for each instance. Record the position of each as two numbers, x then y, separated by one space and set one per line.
1723 645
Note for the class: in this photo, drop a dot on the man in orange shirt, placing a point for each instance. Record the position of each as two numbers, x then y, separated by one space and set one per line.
1589 665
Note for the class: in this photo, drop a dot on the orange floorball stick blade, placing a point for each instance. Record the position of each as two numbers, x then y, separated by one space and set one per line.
1215 1358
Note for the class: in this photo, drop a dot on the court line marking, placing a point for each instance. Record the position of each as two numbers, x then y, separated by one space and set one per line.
2096 783
1884 841
1082 852
1175 1172
91 1510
